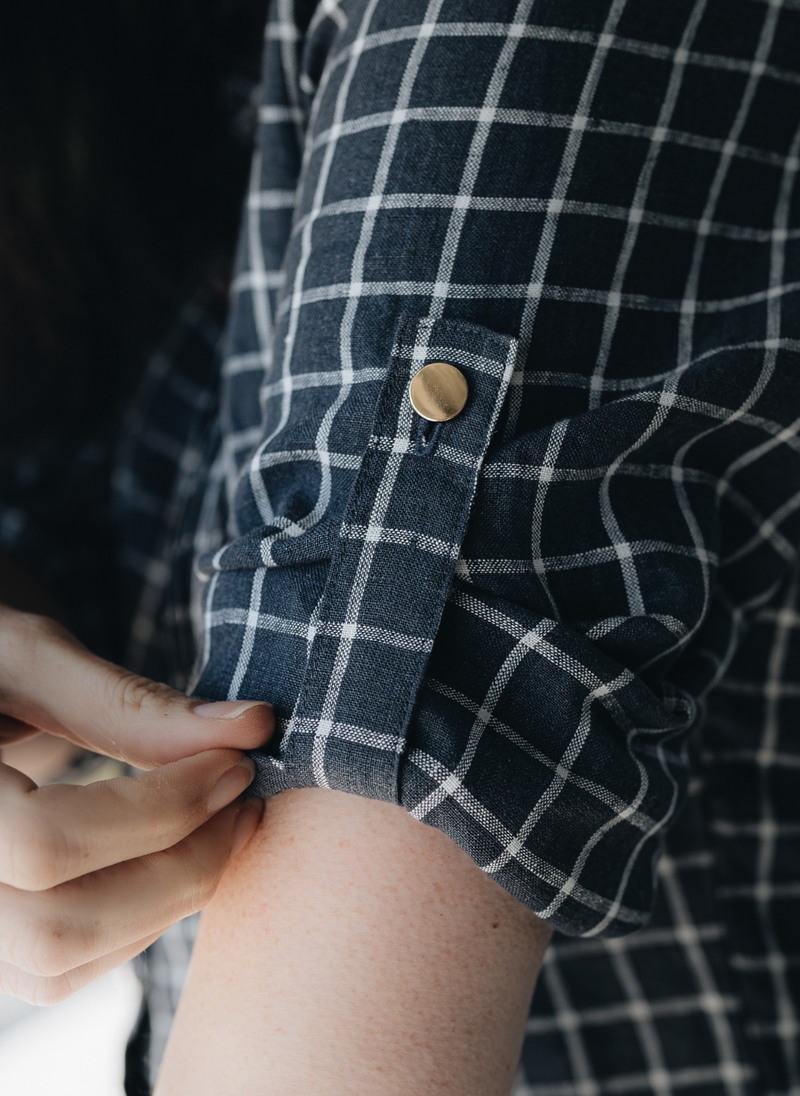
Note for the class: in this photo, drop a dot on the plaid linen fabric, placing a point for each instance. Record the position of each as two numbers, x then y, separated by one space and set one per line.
510 622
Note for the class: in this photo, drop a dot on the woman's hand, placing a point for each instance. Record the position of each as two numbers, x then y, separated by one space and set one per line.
91 875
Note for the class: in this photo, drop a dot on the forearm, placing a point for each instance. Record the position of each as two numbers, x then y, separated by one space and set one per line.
351 949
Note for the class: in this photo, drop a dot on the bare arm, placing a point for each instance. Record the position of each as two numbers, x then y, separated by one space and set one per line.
350 950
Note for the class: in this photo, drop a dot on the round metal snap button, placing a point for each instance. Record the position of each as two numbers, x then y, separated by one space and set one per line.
438 392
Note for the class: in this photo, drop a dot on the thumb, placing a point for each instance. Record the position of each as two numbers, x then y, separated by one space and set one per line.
50 681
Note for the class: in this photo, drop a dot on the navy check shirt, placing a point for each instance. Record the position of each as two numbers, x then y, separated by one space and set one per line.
511 623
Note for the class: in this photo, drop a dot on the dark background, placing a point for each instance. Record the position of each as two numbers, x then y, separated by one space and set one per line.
125 142
125 131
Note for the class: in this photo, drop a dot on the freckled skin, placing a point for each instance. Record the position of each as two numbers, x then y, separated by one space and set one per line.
350 950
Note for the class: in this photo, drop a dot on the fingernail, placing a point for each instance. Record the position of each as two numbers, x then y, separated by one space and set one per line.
246 823
228 709
233 783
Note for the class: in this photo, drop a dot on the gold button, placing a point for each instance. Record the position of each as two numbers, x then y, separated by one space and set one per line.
438 392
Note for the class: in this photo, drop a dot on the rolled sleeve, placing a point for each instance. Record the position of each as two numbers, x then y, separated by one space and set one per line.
504 622
392 566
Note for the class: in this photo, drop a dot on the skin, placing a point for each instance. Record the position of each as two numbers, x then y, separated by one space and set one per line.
90 875
346 949
349 950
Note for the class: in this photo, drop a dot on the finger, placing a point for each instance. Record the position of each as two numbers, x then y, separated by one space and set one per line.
50 681
62 831
247 822
55 931
14 730
52 991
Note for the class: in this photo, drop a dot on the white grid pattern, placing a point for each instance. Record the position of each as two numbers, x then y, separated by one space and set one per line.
661 394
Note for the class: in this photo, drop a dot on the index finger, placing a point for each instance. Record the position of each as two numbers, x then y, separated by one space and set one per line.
50 681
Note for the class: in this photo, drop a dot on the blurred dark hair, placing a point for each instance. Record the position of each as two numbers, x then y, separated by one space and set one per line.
123 158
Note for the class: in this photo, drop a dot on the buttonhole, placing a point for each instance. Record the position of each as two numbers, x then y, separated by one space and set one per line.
427 435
